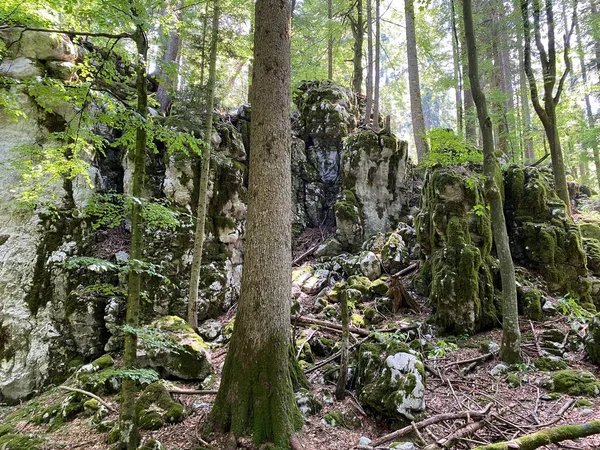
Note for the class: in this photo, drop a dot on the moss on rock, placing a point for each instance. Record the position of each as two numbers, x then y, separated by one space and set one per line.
550 363
155 407
592 339
575 382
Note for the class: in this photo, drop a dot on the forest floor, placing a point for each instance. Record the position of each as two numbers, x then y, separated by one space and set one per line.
458 379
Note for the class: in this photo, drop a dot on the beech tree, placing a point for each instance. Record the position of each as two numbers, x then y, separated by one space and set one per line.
256 395
510 351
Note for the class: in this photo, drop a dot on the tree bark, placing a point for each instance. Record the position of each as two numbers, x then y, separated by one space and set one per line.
527 139
129 437
416 105
358 30
377 74
457 72
329 41
369 106
199 236
256 395
469 105
167 82
510 350
547 113
340 390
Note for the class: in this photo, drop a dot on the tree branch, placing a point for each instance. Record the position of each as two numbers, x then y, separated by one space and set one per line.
69 32
567 41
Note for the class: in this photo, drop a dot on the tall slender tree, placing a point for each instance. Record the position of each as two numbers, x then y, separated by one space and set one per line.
547 112
192 316
129 435
256 395
168 81
511 336
358 31
377 74
329 40
369 80
416 105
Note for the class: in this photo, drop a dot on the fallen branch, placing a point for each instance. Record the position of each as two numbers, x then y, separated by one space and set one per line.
449 441
407 270
191 391
307 253
547 436
467 361
535 340
465 415
89 394
333 357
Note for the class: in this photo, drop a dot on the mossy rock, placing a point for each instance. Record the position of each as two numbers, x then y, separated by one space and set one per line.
394 254
513 380
190 362
152 444
575 382
361 284
334 294
391 381
155 407
592 253
530 304
12 441
308 403
347 420
379 286
550 363
322 346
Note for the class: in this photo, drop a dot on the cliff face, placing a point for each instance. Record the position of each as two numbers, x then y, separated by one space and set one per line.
54 310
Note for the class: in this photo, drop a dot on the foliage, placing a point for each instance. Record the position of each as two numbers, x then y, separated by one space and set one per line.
155 339
92 264
568 305
446 148
142 376
441 348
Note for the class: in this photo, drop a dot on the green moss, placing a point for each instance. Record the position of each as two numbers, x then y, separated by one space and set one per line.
156 407
6 429
582 403
379 286
91 406
548 364
20 442
334 294
357 320
513 380
574 382
104 362
592 339
592 252
344 420
360 283
530 304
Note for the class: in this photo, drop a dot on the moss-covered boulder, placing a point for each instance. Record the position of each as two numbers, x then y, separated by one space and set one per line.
591 246
155 408
308 402
349 220
455 234
575 382
391 381
187 359
13 441
550 363
394 254
543 237
530 303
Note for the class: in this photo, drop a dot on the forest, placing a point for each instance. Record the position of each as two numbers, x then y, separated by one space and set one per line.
299 225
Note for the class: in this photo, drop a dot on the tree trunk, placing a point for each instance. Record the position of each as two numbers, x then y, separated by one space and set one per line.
129 435
588 105
457 73
510 351
192 313
329 41
340 390
369 106
256 395
377 74
525 111
167 82
358 30
416 105
594 10
547 113
469 105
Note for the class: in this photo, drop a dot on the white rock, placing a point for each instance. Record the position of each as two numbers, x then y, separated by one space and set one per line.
19 68
370 266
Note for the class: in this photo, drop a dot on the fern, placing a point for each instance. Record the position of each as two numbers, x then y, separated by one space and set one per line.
97 265
154 339
142 376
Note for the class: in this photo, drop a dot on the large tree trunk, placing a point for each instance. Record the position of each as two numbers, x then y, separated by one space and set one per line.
129 436
511 336
377 74
588 105
192 313
168 82
369 106
416 105
256 394
358 30
469 105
